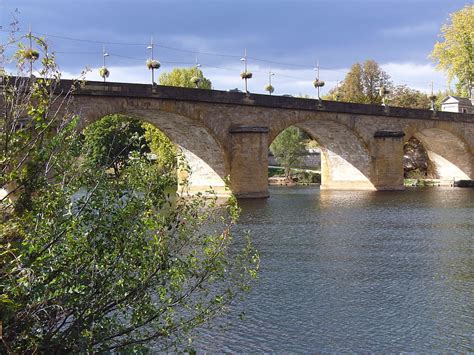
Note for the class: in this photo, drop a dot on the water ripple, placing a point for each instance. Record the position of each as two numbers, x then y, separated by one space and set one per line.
356 272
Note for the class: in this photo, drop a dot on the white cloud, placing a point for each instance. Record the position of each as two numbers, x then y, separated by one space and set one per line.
411 30
416 76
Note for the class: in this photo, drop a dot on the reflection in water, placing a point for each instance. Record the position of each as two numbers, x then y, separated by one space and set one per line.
356 271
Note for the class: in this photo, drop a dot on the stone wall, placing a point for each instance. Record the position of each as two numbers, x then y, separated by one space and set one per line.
204 123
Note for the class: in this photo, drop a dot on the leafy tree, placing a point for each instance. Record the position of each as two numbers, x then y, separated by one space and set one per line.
160 145
403 96
362 84
289 148
109 141
455 54
92 264
183 77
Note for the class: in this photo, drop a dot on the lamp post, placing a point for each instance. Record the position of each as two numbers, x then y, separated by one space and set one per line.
196 79
318 84
31 49
432 98
245 74
337 94
151 63
29 54
104 72
269 88
383 92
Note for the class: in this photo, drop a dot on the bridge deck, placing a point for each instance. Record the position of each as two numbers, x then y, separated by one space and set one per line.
111 89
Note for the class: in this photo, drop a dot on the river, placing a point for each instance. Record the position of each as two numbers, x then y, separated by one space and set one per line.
355 272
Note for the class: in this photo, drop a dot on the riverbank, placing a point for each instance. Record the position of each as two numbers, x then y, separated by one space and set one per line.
438 182
299 176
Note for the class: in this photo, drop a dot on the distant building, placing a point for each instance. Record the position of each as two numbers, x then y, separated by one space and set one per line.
457 104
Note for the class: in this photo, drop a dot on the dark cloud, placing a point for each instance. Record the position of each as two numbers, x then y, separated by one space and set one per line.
298 31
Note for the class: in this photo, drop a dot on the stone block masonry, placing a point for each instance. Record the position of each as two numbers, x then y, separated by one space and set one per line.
227 134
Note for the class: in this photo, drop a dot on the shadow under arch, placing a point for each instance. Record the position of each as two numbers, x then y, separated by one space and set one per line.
345 160
205 158
449 154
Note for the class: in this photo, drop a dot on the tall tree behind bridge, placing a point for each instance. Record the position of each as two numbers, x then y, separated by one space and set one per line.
403 96
455 54
362 84
186 78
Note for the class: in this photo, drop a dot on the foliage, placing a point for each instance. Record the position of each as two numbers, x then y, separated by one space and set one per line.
92 264
455 54
403 96
273 171
308 177
160 145
117 264
362 84
109 141
25 125
183 77
288 148
415 174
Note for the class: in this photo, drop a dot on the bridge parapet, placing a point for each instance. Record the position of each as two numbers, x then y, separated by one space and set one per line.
111 89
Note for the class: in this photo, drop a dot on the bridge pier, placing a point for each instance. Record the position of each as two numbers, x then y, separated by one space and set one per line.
249 161
387 155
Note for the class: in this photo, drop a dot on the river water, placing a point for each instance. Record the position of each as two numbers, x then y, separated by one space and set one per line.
355 271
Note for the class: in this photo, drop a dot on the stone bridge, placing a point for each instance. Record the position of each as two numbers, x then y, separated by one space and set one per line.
227 134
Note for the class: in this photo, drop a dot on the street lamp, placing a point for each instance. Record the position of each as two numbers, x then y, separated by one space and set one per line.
196 79
269 88
245 74
30 53
152 63
337 94
104 72
432 98
318 84
383 92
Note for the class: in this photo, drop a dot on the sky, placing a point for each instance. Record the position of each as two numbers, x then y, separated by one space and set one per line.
286 37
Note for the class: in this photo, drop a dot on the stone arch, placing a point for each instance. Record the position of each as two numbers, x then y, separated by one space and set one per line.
449 154
207 162
345 160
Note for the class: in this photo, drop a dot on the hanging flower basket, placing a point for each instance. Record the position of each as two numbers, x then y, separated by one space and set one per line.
153 64
104 72
433 97
318 83
246 75
196 80
30 54
270 89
